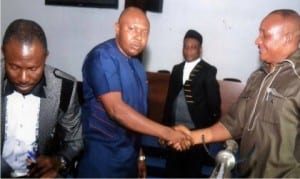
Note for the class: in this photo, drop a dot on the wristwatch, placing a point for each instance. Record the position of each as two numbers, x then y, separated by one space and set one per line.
142 158
63 163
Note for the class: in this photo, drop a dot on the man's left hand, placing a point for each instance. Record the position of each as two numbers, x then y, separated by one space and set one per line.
45 167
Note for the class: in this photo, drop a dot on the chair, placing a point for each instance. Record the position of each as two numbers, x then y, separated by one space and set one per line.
155 154
230 90
164 71
232 79
158 89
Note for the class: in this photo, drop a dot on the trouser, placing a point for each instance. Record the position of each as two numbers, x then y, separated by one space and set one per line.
188 163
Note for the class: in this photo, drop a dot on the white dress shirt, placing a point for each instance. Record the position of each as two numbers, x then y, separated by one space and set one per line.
21 125
187 69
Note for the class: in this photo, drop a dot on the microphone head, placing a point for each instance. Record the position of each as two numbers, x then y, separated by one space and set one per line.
227 156
232 146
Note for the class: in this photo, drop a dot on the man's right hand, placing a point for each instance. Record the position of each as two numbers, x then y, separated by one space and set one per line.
179 138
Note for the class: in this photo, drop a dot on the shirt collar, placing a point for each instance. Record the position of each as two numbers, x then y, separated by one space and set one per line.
192 64
38 90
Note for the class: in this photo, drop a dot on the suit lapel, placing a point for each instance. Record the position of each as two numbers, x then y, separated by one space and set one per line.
48 109
179 74
196 70
188 83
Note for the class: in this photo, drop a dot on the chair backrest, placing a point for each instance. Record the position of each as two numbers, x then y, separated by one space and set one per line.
230 91
232 79
158 89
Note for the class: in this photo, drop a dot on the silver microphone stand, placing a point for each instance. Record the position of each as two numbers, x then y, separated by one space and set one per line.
225 160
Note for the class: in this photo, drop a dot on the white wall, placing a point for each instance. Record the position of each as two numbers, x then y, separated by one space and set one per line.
229 29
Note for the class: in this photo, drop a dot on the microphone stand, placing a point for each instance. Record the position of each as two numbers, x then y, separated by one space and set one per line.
225 160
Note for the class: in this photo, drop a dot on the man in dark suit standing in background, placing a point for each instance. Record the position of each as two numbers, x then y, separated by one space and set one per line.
40 121
193 100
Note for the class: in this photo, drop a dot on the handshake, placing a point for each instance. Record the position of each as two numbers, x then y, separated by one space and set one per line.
180 138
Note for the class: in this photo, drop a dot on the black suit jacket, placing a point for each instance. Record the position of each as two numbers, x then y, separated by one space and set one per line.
206 109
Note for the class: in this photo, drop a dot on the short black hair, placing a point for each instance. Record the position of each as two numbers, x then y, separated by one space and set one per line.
194 34
25 31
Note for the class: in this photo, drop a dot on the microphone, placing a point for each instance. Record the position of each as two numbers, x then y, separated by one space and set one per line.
225 160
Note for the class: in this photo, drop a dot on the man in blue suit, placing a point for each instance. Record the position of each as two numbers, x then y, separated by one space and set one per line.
115 103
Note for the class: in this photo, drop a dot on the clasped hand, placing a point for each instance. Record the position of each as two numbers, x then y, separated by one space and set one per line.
180 139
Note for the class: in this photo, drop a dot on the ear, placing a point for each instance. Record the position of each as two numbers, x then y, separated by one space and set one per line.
201 50
117 28
288 38
46 55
